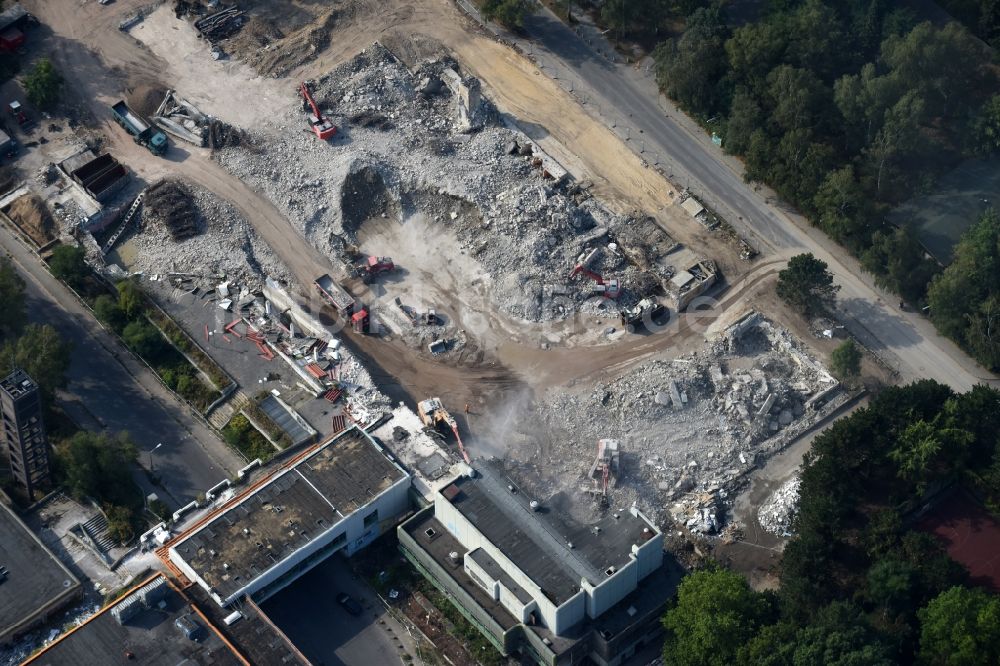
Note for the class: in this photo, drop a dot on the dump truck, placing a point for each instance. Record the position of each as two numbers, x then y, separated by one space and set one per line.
641 314
142 132
344 303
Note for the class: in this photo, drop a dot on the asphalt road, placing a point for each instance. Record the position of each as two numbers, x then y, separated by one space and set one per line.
308 613
628 101
108 388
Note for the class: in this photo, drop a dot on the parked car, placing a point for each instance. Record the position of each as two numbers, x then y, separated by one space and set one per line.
349 604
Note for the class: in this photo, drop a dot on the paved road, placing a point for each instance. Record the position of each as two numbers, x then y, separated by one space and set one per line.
627 99
308 613
109 388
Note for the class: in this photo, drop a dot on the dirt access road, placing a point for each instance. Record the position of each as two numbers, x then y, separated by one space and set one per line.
101 62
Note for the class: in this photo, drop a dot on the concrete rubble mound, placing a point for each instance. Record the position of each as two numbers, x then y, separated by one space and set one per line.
691 428
425 143
778 512
223 244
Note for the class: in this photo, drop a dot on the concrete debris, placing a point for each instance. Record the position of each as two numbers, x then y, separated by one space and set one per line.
744 403
778 512
222 242
492 194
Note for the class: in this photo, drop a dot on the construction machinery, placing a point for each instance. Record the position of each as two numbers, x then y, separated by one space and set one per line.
372 266
436 417
319 124
606 467
142 132
641 314
17 111
607 288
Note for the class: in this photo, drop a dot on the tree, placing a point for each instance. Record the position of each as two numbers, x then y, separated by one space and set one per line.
143 338
807 285
960 627
69 264
108 312
926 450
842 207
715 614
986 127
508 13
119 523
898 261
689 69
845 360
131 300
43 84
100 467
42 353
12 307
963 297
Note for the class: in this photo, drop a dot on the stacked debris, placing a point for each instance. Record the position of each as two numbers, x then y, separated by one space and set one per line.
778 512
220 25
169 204
225 244
681 421
32 217
512 208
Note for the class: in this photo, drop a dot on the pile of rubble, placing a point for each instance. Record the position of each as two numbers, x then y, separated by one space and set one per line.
223 245
777 513
426 142
691 427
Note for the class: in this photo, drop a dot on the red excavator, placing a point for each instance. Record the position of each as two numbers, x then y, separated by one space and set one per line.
608 288
319 124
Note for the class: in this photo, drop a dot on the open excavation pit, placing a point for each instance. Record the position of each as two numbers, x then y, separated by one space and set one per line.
688 429
187 229
426 145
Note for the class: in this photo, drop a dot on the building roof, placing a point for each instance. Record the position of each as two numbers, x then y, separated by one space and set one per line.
692 206
260 529
36 583
151 635
17 383
554 551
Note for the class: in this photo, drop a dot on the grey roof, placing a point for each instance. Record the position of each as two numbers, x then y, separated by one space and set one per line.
35 578
490 566
285 420
151 636
555 552
249 536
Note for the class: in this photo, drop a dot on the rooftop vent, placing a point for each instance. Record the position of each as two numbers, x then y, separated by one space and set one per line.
569 544
511 488
246 531
535 506
610 571
225 565
430 532
453 556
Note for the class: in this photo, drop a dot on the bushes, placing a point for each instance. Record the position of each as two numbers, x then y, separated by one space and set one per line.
240 434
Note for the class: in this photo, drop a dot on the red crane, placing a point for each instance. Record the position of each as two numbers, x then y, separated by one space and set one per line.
319 124
609 288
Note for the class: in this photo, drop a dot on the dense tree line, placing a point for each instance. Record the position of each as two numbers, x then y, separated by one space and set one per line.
858 584
845 109
981 17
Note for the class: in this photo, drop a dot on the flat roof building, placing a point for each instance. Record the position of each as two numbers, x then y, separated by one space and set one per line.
153 624
537 582
34 584
338 497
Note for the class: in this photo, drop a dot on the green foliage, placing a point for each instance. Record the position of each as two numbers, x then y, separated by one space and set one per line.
807 285
69 264
961 627
120 519
100 466
716 613
965 298
508 13
43 84
143 338
131 299
845 360
845 109
43 354
12 306
240 434
107 310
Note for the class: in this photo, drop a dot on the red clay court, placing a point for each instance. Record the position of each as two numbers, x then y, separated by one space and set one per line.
970 535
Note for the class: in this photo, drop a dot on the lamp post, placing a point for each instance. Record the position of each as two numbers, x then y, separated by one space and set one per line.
151 456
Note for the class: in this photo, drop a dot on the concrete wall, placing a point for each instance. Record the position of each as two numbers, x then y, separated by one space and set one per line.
469 536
